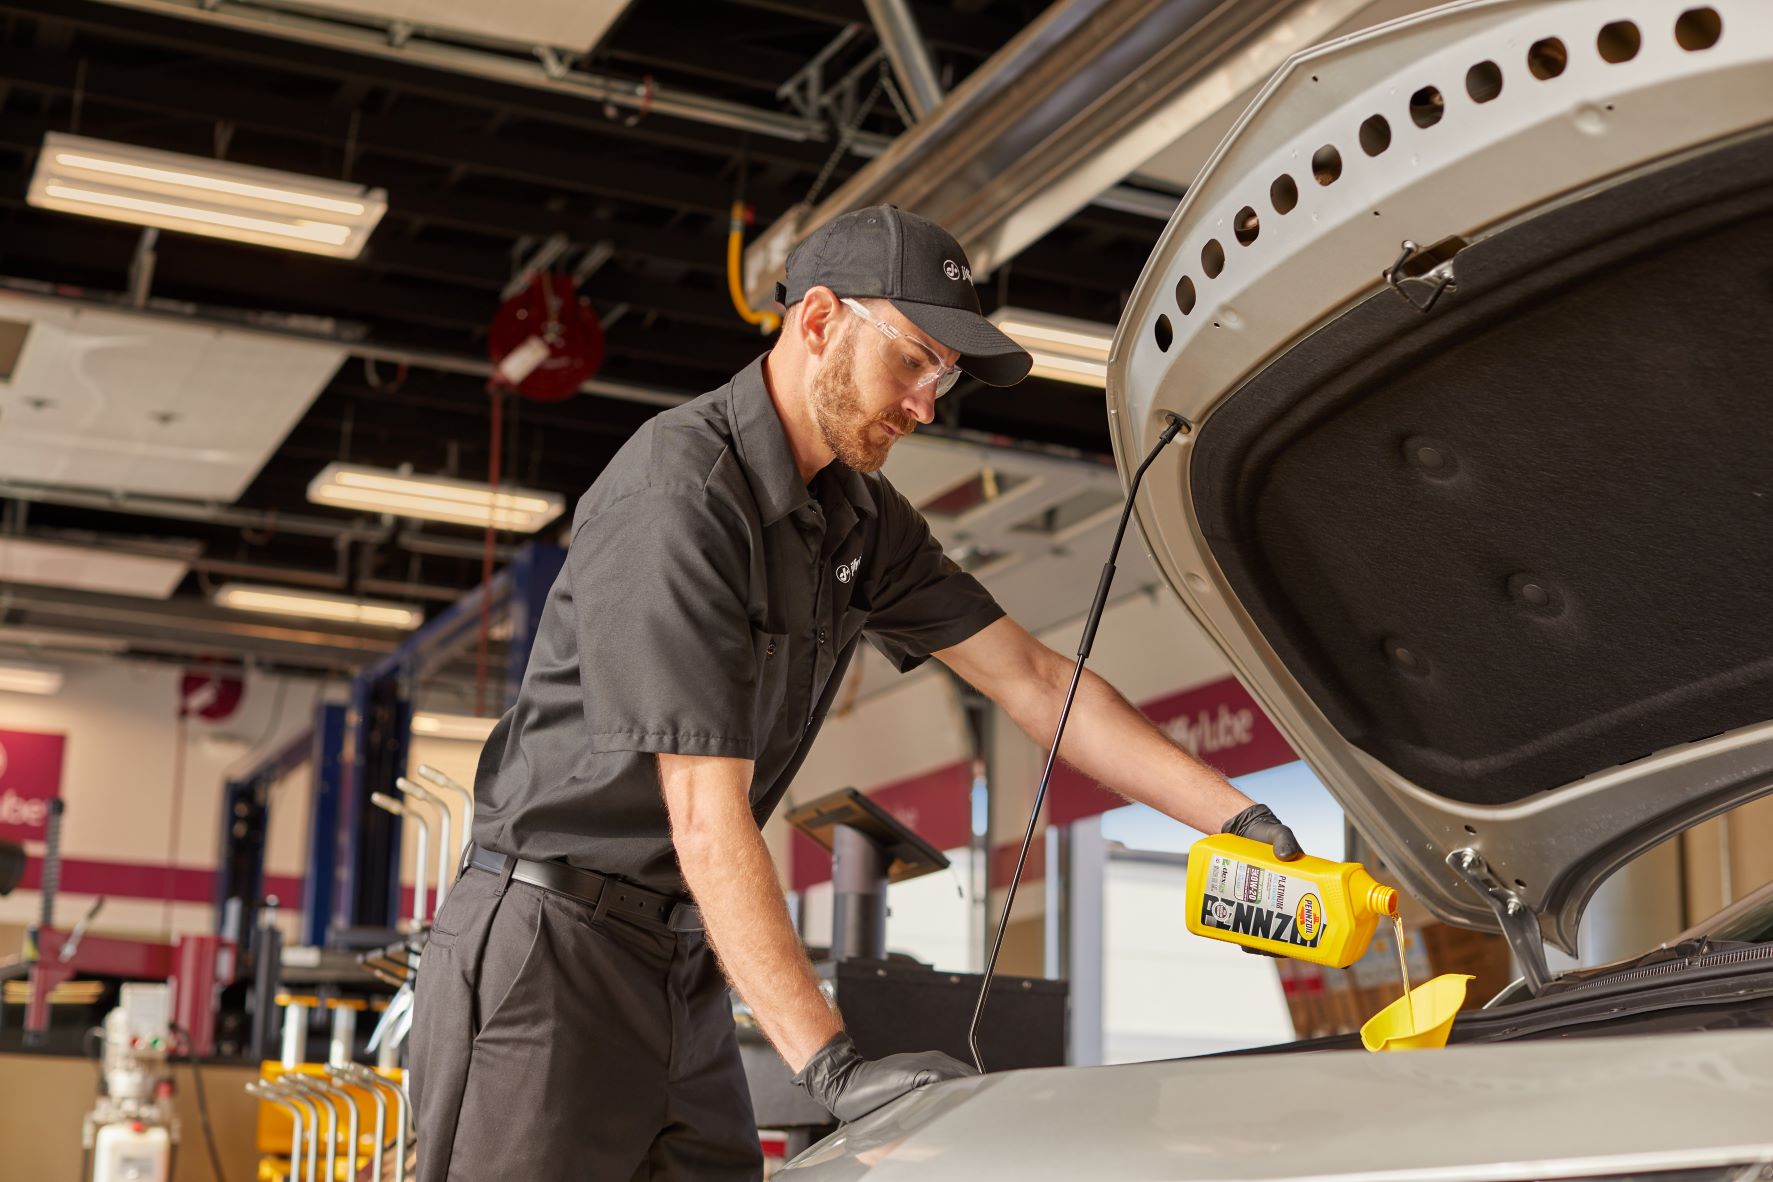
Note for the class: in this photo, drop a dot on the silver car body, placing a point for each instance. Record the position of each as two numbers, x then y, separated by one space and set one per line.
1595 1109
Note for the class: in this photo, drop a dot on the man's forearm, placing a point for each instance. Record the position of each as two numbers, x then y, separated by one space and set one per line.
730 873
1111 742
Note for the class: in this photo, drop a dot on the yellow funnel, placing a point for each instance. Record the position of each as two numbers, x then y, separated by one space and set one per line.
1432 1005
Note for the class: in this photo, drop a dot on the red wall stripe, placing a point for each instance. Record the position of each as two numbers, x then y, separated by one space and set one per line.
149 880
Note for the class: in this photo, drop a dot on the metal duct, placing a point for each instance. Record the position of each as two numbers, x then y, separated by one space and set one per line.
910 57
1079 100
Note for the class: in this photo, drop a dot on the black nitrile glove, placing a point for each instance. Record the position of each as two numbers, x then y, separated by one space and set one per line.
851 1087
1258 823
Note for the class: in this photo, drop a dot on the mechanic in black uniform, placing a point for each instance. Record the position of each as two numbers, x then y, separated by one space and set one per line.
572 1020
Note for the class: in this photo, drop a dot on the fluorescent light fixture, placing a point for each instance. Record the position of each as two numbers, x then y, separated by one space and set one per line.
29 679
89 568
466 727
312 605
434 498
53 639
195 195
1063 348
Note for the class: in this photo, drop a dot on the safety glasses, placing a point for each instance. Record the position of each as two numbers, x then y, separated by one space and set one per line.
908 358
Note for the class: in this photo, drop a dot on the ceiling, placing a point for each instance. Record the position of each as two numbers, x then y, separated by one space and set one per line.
479 173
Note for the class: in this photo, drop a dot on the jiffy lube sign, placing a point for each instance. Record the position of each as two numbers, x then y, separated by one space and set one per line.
1219 722
30 777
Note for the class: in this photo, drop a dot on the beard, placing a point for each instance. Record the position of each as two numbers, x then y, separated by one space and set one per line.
847 428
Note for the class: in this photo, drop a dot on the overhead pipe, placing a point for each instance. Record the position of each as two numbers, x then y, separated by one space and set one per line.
910 57
188 551
400 589
412 540
212 623
210 513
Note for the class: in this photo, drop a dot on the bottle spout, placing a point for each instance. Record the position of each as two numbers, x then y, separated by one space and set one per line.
1382 900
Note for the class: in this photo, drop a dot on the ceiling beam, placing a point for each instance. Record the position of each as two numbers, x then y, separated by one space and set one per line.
436 140
660 41
441 67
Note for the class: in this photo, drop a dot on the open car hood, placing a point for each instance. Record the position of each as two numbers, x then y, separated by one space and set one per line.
1499 568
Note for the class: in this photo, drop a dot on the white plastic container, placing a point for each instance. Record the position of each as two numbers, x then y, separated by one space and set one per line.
129 1151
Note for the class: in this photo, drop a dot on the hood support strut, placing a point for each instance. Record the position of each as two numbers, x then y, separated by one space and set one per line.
1519 925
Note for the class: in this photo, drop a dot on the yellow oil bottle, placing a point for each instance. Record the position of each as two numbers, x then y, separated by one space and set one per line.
1309 909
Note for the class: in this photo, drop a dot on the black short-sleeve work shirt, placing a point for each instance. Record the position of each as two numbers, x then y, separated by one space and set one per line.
709 605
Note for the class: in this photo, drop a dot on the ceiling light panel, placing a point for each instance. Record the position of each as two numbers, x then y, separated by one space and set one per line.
16 678
197 195
312 605
89 568
565 24
434 498
1063 348
128 402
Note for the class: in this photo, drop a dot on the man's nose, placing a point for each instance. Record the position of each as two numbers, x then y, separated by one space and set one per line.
920 404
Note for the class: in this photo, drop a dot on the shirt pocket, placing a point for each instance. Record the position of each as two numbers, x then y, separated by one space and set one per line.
771 651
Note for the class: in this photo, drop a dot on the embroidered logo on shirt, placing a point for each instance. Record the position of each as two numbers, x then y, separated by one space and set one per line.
847 570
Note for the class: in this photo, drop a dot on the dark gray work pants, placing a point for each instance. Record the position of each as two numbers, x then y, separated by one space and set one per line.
548 1044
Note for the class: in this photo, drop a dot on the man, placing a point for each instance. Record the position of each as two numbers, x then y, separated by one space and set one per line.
572 1021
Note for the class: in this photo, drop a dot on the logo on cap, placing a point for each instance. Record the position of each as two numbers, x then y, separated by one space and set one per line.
954 270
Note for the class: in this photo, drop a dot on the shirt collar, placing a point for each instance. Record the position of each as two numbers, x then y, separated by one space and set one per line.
768 461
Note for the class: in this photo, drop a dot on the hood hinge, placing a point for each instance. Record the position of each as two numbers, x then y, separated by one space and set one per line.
1520 926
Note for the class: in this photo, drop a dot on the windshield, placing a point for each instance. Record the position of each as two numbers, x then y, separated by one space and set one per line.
1753 923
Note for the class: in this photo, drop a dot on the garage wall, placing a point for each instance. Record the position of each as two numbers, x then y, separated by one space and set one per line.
121 783
1727 858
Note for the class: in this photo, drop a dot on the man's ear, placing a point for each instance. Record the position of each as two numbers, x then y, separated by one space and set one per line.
819 319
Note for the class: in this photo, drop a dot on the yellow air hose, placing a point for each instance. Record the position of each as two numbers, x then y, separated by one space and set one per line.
767 322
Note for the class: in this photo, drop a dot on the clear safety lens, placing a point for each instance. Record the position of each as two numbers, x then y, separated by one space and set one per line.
907 358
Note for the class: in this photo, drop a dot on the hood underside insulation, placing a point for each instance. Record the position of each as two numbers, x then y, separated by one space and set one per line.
1527 536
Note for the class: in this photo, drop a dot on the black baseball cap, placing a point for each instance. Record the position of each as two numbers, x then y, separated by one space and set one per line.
882 252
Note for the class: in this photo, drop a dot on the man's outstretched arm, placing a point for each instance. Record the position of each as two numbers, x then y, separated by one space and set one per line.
1106 738
728 870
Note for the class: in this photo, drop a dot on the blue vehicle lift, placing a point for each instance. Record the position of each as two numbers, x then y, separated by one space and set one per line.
353 880
379 731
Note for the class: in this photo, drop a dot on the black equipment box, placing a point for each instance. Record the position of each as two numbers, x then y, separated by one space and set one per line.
894 1006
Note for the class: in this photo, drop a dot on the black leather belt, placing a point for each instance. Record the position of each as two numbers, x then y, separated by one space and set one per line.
605 894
